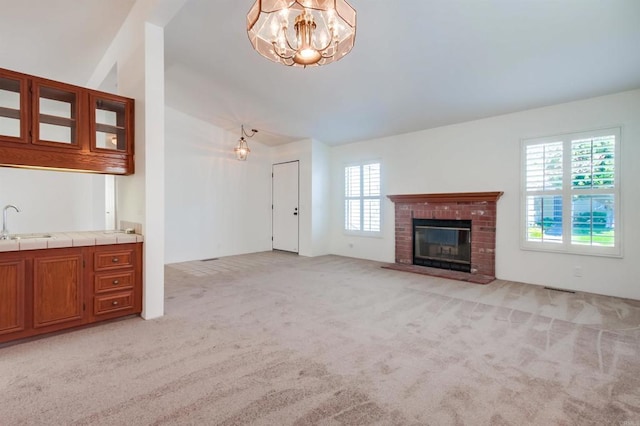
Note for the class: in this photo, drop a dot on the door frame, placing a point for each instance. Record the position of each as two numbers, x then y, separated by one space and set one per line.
298 204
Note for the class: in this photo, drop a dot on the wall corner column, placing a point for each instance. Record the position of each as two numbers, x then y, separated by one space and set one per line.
153 301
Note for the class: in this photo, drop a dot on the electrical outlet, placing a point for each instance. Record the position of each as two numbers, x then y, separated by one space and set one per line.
577 271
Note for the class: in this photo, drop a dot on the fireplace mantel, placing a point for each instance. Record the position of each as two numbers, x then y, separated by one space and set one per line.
452 197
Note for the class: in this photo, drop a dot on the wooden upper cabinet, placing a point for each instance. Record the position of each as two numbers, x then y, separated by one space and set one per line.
14 107
111 119
56 117
53 125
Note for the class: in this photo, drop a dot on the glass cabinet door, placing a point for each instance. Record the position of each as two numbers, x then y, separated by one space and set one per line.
56 116
110 122
13 108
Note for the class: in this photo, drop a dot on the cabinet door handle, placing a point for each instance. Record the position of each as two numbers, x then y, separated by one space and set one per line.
115 260
115 303
116 282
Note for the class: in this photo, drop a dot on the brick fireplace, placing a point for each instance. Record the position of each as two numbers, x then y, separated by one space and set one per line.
477 207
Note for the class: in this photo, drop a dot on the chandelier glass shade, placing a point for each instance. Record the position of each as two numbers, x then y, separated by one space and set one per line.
242 149
302 32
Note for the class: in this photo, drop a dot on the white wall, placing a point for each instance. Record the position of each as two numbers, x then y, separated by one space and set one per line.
218 206
320 198
484 155
215 205
52 201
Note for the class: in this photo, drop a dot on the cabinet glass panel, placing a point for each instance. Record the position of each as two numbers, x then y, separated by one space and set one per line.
9 107
110 125
57 115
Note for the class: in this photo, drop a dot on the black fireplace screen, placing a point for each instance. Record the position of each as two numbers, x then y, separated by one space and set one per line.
442 244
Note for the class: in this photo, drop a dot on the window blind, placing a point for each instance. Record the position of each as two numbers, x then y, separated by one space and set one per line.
362 197
571 193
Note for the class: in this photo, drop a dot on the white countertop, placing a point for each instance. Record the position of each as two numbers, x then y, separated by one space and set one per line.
69 239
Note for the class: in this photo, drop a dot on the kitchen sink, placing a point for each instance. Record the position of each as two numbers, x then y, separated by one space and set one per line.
30 236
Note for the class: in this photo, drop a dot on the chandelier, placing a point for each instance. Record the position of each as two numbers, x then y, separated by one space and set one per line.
302 32
242 149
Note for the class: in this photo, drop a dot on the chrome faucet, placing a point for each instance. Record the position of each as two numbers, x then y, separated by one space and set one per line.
5 232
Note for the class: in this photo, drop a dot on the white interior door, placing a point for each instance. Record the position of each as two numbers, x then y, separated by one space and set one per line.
285 206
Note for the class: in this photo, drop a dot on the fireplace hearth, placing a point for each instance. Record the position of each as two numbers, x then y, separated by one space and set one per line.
455 232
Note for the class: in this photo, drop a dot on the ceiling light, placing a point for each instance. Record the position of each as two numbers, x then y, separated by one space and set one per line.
242 149
302 32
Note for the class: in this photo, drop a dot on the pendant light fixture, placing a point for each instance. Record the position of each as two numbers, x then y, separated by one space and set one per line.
242 149
302 32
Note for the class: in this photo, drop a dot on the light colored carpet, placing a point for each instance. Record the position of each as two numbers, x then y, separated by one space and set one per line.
276 339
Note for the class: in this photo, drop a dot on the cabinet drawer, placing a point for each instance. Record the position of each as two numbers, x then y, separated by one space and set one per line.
113 302
114 281
116 259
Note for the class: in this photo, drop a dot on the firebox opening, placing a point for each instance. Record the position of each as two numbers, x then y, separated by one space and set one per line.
444 244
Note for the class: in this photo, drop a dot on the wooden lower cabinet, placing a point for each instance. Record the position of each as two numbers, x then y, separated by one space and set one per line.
12 296
57 290
117 286
114 302
47 290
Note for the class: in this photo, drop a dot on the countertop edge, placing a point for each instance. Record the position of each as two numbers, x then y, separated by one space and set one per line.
70 239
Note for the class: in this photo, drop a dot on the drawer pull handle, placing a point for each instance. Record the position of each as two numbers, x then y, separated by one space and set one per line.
115 260
115 303
116 282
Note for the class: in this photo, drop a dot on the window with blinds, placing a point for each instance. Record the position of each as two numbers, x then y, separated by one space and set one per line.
362 198
571 193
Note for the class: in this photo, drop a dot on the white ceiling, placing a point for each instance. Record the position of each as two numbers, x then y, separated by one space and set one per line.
58 39
416 64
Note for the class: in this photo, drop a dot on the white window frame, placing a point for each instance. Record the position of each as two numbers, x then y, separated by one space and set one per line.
361 198
567 192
